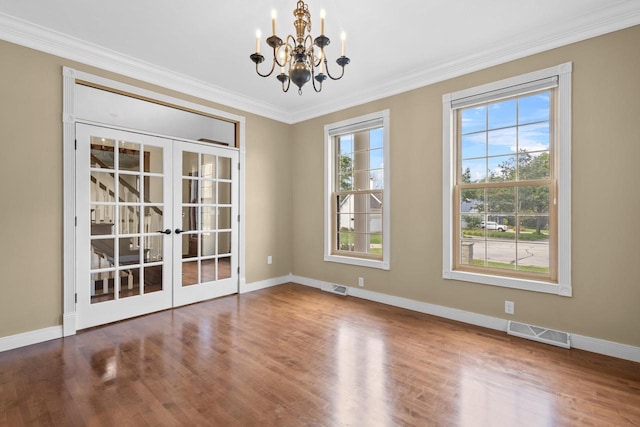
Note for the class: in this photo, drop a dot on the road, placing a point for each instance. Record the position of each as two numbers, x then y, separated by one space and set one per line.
526 253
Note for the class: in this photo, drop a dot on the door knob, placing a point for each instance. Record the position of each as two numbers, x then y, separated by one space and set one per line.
178 231
167 231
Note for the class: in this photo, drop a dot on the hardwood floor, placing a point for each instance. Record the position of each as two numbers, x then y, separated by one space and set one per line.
295 356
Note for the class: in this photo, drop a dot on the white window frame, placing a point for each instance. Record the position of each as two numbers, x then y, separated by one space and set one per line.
330 132
562 164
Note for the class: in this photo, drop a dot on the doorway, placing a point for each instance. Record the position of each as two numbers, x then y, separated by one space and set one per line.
156 225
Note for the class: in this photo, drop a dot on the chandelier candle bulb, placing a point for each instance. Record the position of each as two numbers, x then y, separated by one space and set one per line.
322 16
343 37
258 35
274 15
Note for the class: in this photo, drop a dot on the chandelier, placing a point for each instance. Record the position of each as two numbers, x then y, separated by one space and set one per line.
300 58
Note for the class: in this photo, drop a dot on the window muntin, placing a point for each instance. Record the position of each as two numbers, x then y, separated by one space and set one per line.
503 187
523 187
357 191
358 195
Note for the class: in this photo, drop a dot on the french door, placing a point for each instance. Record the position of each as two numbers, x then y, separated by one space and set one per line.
205 244
155 223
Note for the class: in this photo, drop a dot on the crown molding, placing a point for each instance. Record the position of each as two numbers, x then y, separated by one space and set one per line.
36 37
622 14
615 17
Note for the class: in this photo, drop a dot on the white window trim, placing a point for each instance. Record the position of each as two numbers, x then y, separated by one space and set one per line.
329 168
562 172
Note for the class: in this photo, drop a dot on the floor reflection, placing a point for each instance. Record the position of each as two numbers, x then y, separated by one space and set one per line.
492 398
361 397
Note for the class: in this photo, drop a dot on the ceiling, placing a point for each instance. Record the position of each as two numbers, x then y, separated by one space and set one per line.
202 47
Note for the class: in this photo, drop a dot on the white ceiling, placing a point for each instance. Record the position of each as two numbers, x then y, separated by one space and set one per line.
202 47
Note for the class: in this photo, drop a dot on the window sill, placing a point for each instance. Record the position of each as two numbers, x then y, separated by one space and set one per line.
510 282
361 262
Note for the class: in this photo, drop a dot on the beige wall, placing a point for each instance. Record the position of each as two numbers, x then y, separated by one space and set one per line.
606 199
31 189
285 194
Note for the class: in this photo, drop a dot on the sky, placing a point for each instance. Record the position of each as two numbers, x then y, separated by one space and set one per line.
493 133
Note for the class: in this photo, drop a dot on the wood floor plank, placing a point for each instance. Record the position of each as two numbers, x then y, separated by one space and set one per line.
296 356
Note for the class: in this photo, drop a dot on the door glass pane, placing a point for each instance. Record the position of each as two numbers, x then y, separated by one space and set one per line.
224 196
189 246
129 187
208 220
101 228
189 273
129 219
189 191
189 164
153 159
224 168
152 279
208 244
102 187
208 166
102 286
208 270
189 218
153 189
224 218
153 249
101 154
102 253
128 156
224 268
153 221
224 242
129 282
208 192
129 252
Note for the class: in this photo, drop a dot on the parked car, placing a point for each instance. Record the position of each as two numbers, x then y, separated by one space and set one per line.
492 225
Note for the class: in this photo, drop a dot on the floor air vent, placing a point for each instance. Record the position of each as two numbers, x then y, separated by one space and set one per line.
335 289
536 333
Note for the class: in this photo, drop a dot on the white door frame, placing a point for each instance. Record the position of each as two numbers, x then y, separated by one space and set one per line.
69 118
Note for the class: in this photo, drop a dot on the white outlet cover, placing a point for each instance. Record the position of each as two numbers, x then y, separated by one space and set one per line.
509 307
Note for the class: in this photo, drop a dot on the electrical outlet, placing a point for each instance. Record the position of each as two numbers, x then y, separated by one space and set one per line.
509 307
360 281
269 259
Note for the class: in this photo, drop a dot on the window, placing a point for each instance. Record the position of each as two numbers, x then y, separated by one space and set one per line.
506 191
357 191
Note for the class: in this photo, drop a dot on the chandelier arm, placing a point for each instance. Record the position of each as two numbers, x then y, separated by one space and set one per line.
308 40
342 61
273 67
288 85
320 58
313 80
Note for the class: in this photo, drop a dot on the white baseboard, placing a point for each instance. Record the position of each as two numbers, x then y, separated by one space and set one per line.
254 286
608 348
31 337
594 345
409 304
69 324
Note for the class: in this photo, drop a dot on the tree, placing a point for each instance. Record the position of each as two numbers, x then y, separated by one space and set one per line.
532 200
346 173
